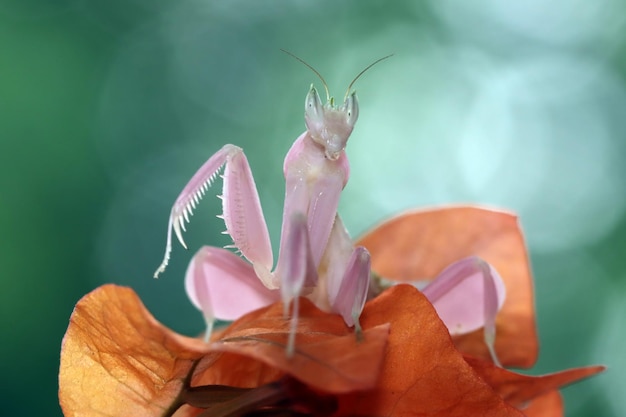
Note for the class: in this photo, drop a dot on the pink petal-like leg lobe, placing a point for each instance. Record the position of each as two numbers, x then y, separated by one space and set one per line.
350 298
467 296
224 286
296 201
198 291
298 272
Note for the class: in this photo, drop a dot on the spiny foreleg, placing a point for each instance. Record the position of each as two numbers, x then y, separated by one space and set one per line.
241 208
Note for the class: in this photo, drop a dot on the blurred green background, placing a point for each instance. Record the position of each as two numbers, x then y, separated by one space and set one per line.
107 108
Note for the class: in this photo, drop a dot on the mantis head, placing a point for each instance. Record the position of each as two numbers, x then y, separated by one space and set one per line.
329 125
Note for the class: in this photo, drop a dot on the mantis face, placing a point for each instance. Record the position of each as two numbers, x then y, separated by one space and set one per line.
330 126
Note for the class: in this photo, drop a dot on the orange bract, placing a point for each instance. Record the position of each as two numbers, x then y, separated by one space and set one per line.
424 374
420 244
327 354
547 405
518 389
116 359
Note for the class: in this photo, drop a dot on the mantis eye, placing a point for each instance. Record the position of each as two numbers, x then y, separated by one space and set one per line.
312 104
351 109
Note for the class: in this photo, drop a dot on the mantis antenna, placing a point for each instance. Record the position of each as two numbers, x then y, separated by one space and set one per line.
315 71
363 72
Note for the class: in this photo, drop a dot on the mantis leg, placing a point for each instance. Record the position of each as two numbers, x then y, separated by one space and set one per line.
296 204
299 273
350 298
457 291
347 275
224 286
242 210
244 218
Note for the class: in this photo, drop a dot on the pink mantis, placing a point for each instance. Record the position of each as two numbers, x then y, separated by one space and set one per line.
316 257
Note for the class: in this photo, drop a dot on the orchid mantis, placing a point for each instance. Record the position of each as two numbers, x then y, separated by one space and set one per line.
316 255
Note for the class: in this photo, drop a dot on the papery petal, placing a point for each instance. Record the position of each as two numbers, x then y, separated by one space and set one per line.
327 355
423 373
419 244
117 360
518 390
546 405
222 284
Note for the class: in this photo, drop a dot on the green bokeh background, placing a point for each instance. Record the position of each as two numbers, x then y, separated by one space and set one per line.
107 108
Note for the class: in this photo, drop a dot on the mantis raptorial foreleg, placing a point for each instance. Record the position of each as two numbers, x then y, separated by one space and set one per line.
242 211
